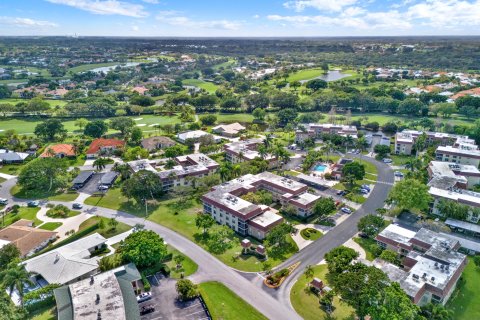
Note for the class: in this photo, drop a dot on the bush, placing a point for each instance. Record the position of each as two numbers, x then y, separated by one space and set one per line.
146 283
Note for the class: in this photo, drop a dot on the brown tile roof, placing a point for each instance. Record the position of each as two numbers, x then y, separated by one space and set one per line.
97 144
51 151
152 142
25 237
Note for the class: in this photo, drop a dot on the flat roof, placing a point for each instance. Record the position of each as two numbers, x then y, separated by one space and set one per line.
463 150
82 177
463 225
142 164
108 178
397 234
267 218
306 198
459 195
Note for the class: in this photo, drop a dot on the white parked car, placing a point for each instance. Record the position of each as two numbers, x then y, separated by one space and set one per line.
3 201
346 210
102 187
144 297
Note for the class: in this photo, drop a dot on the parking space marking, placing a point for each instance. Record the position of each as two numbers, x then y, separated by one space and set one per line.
193 305
195 313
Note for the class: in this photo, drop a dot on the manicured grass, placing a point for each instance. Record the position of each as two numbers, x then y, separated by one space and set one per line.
366 245
51 102
107 230
307 303
207 86
311 234
23 213
383 118
17 192
400 160
62 212
86 67
358 198
48 313
180 217
233 117
13 169
464 301
50 226
188 268
306 74
225 304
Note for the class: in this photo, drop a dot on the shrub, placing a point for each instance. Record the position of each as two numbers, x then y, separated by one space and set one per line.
146 283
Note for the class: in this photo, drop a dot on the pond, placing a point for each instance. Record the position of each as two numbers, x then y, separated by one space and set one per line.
332 75
107 69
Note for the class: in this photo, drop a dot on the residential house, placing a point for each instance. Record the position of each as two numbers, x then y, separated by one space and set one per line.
110 295
67 264
59 151
101 146
229 130
25 237
8 156
155 143
195 135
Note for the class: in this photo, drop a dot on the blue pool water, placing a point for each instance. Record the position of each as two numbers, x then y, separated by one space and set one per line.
320 168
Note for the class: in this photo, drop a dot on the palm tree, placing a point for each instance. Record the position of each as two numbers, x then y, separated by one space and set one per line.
262 151
309 272
100 163
15 277
267 142
348 142
413 164
362 144
236 170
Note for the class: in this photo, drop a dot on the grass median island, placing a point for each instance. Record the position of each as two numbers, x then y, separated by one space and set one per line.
104 227
188 266
179 215
22 213
464 301
225 304
311 234
307 304
61 212
50 226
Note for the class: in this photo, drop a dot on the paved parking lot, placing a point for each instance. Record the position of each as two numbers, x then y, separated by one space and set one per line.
92 185
164 298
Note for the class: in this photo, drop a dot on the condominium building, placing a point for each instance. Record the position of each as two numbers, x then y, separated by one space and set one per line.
462 153
225 205
463 176
460 196
405 140
313 130
246 150
430 263
193 165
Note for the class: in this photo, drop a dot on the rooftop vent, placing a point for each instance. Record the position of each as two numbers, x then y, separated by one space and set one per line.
97 300
91 280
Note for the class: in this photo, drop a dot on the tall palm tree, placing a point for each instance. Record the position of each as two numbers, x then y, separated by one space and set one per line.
413 164
100 163
15 277
267 142
348 142
362 144
236 171
262 151
309 272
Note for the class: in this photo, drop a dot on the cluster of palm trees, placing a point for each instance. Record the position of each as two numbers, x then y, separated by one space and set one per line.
15 277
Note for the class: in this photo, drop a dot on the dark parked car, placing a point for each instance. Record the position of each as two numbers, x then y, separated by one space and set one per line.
77 206
147 309
33 204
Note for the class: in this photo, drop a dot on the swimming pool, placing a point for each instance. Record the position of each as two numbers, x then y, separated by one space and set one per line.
320 168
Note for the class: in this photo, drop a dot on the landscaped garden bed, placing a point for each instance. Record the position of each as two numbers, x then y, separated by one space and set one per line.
276 279
311 234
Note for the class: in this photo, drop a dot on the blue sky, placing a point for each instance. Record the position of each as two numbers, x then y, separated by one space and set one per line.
247 18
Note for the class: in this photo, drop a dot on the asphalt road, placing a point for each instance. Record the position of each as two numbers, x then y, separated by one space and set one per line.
315 252
274 304
210 268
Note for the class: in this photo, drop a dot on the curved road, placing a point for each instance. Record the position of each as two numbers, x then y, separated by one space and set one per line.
274 304
315 252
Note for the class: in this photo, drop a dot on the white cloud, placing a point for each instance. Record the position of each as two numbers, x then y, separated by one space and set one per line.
151 1
105 7
135 28
256 16
174 18
26 22
328 5
446 13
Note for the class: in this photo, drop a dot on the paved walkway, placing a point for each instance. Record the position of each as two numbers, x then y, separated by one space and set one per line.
119 237
6 176
72 223
355 246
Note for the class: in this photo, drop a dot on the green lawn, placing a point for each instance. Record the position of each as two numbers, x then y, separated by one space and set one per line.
400 160
207 86
107 230
48 313
188 268
86 67
182 220
311 234
51 102
23 213
50 226
17 192
225 304
233 117
366 245
13 169
464 301
2 180
307 304
306 74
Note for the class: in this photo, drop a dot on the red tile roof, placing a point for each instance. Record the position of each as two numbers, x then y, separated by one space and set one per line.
51 151
97 144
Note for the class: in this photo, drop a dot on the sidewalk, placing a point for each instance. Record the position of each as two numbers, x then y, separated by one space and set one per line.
72 223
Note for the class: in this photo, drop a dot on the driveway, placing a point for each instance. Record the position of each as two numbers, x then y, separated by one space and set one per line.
167 306
92 185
